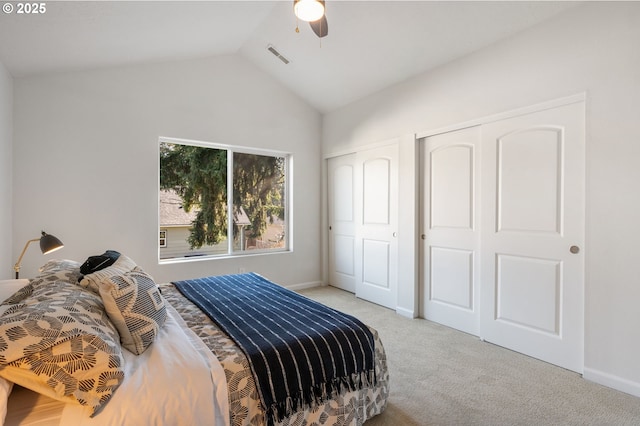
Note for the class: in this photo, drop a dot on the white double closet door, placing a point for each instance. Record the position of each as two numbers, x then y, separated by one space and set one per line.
362 194
503 232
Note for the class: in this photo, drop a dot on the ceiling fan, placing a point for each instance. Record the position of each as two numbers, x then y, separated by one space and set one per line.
312 11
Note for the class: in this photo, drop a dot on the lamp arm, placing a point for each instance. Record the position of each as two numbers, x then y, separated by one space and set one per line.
16 267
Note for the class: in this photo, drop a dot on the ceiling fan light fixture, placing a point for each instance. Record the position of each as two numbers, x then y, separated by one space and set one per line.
308 10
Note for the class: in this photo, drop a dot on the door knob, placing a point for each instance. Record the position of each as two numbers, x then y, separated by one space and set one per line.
574 249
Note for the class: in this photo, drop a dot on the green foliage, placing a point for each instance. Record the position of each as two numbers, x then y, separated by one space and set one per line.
199 176
258 186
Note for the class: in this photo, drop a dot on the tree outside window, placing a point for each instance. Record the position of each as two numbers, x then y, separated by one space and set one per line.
203 185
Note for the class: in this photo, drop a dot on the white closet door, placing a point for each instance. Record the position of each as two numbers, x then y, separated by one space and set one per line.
342 222
533 234
377 212
363 213
450 235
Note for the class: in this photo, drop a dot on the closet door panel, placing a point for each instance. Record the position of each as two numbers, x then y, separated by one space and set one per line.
529 162
449 275
533 234
342 222
376 235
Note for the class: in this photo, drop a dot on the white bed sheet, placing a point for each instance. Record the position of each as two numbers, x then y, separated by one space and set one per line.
22 411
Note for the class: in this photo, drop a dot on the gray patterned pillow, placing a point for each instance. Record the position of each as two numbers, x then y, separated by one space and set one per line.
56 339
136 307
55 265
54 270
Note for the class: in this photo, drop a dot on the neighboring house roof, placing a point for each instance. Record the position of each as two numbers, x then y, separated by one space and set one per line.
173 214
171 211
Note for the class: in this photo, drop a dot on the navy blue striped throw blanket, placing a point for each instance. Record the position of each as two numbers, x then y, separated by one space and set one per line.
300 351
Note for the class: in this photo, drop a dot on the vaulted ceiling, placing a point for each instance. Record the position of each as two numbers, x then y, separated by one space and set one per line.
371 44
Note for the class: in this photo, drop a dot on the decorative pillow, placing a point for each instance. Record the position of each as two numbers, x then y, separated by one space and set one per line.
55 265
17 297
119 267
56 339
53 270
96 263
135 306
9 287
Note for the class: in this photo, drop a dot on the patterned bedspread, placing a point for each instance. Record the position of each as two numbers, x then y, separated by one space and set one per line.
350 408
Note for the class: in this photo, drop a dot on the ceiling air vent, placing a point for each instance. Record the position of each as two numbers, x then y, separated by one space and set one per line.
277 54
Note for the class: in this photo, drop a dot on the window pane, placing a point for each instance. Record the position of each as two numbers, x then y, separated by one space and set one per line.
193 200
259 202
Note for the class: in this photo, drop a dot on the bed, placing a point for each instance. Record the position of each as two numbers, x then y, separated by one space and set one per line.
187 370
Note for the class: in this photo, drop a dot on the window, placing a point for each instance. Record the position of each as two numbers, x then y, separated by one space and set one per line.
220 200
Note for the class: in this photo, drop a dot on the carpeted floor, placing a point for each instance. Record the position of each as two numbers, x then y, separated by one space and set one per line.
440 376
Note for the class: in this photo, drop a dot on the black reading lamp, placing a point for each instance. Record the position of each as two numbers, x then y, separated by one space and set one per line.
48 244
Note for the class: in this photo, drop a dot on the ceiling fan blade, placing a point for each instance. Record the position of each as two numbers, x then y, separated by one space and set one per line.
320 27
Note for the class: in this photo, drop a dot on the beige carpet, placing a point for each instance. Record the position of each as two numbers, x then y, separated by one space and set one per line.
440 376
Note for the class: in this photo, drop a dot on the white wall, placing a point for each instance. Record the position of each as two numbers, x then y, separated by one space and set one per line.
6 172
594 49
86 158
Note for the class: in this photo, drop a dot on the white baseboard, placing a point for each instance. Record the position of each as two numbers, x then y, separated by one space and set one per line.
407 313
615 382
302 286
